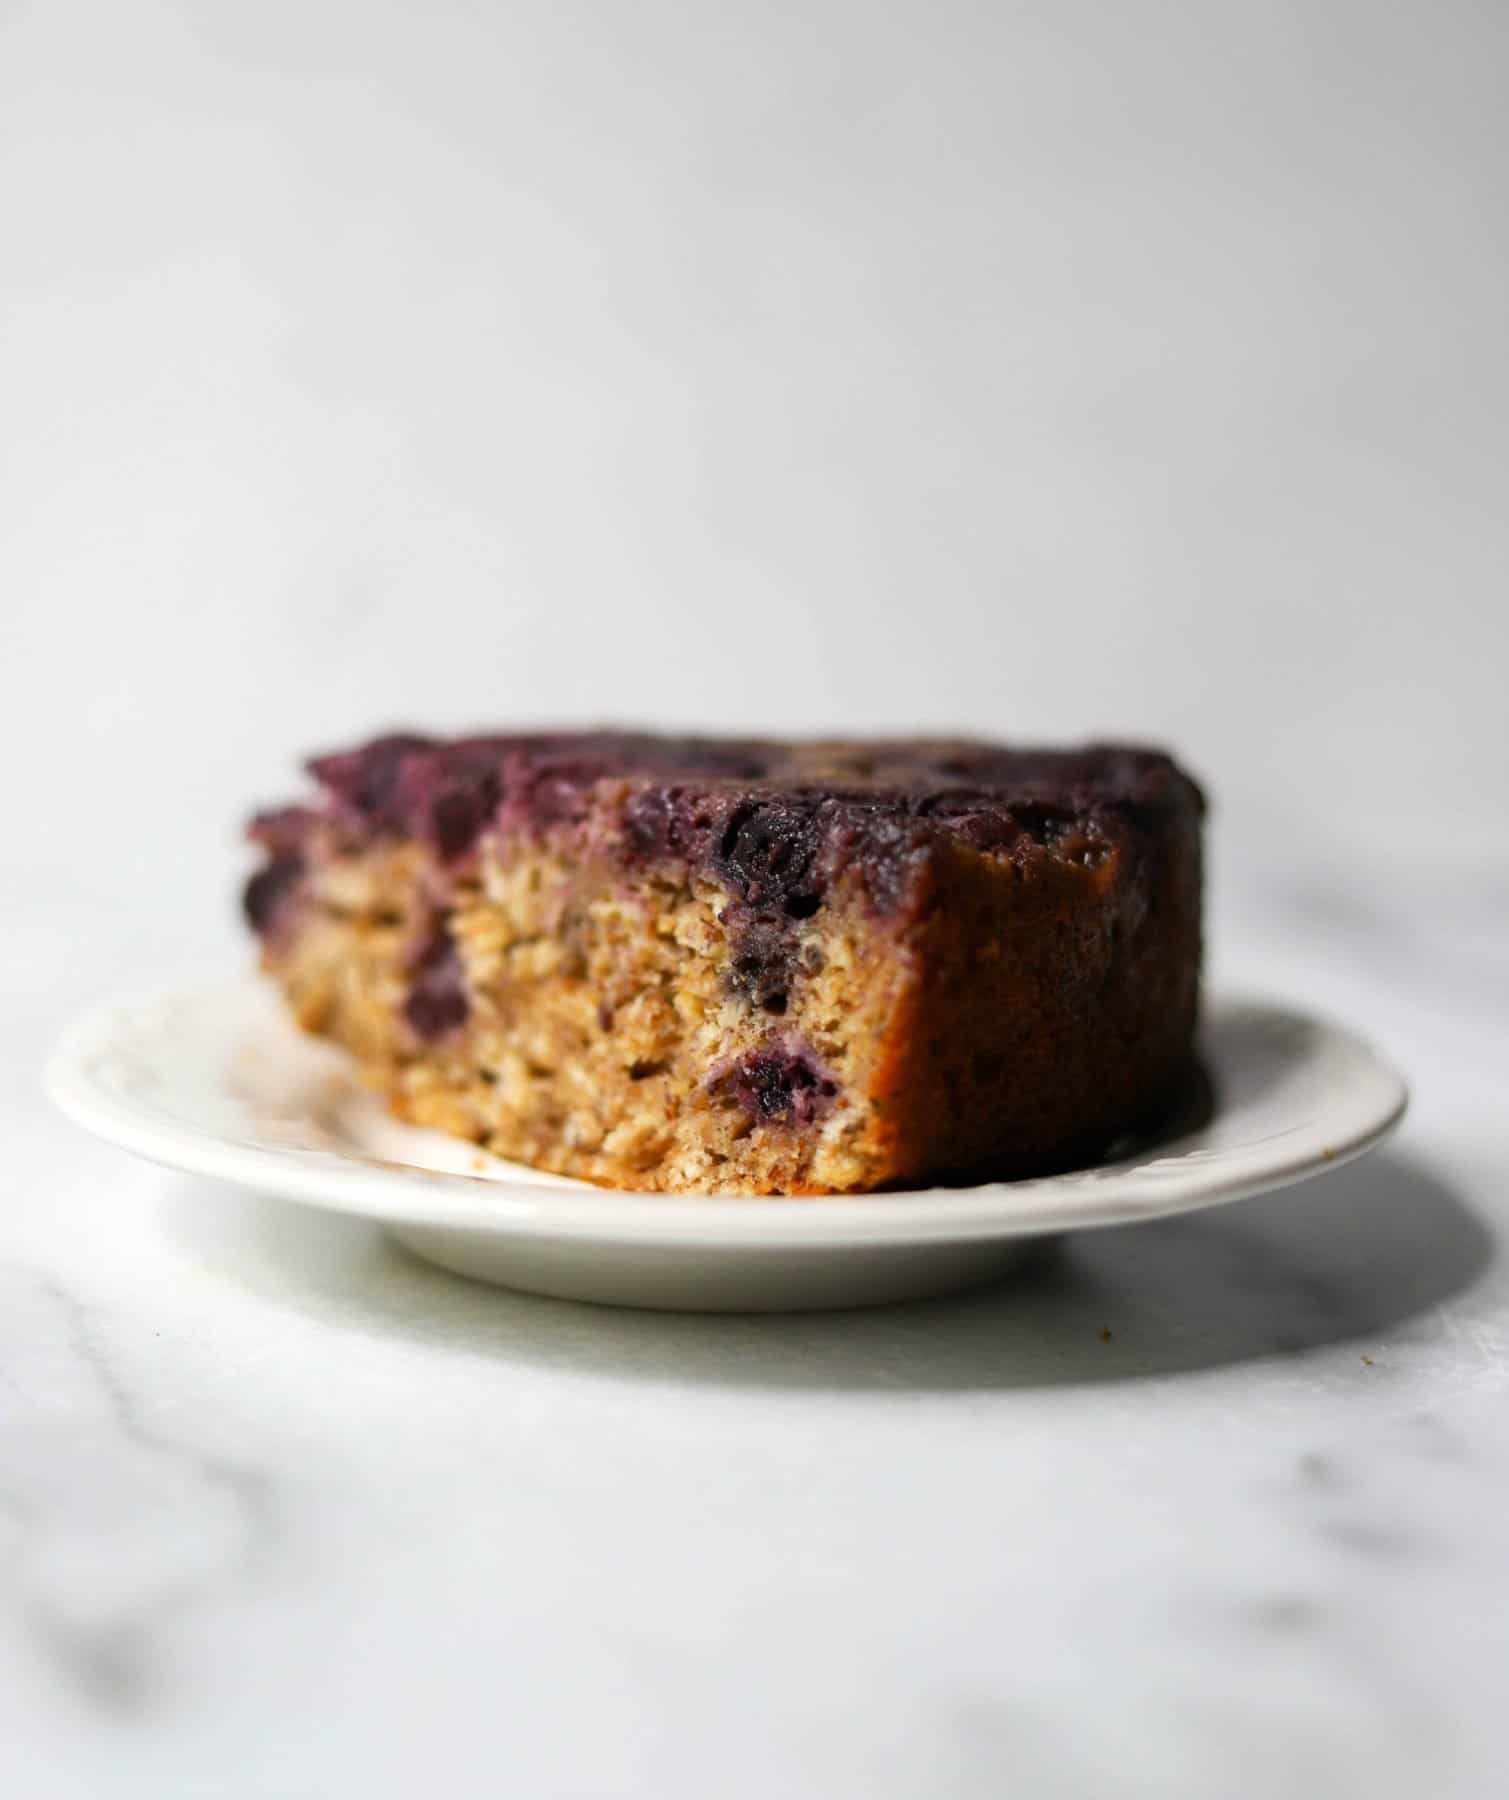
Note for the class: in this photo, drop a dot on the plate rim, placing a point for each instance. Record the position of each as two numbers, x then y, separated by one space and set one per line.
511 1200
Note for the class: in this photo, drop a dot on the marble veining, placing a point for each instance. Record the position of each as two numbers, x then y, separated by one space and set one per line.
171 1526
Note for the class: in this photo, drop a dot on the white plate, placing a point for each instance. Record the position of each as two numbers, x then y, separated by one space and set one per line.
219 1082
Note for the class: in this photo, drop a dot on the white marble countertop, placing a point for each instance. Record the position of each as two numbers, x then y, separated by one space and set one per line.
284 1512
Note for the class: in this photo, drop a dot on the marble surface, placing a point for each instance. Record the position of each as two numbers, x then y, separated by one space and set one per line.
1209 1506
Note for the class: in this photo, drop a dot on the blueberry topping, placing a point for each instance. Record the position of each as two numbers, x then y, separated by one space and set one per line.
768 851
776 824
366 781
268 891
283 831
450 800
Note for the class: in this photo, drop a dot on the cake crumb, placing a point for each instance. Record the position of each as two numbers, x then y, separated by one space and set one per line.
670 963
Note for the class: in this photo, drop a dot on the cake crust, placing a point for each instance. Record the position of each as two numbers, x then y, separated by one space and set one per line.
742 965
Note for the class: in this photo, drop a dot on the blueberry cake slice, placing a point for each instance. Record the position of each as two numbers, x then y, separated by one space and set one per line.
746 966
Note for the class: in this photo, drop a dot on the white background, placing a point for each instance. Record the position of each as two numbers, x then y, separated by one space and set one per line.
1041 370
1033 370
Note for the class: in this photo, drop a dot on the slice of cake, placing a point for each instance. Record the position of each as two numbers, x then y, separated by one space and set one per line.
753 967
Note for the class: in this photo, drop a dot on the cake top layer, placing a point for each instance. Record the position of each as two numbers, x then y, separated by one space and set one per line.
775 821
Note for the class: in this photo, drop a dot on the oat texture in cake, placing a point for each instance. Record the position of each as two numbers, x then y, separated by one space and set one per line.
741 965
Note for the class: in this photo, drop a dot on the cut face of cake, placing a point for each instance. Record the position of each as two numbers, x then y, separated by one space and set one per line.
746 966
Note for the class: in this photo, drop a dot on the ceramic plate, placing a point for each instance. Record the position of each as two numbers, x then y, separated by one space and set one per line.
219 1082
